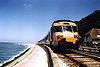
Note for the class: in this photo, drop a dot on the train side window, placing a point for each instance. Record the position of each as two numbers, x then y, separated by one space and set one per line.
51 30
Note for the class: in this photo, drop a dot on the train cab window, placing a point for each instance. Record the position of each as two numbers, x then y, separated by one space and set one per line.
67 28
75 29
57 28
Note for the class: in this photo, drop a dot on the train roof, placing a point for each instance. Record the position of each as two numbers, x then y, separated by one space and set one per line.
63 22
57 21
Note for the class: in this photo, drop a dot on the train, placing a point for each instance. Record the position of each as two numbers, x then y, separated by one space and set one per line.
62 34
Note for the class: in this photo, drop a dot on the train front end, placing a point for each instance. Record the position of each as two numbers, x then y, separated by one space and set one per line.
65 34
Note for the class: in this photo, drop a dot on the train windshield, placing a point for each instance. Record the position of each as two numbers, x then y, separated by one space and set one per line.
67 28
70 28
75 29
57 28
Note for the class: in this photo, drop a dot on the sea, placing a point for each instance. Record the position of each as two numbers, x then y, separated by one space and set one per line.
8 51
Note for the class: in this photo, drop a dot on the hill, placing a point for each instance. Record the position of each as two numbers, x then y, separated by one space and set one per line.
89 22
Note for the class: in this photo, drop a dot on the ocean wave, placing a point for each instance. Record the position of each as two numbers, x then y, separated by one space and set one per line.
13 57
1 64
29 45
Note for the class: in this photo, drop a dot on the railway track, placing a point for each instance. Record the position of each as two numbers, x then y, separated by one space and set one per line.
77 59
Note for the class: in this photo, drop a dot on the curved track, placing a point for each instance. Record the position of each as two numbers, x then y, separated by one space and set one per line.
50 63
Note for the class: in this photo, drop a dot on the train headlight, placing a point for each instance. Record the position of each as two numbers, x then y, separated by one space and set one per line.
60 36
76 36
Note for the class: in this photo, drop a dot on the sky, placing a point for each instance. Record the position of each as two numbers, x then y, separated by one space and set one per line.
28 21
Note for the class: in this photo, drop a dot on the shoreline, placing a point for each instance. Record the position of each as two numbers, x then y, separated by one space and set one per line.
14 58
17 58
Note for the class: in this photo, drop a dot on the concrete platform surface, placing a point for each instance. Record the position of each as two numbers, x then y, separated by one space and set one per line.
37 58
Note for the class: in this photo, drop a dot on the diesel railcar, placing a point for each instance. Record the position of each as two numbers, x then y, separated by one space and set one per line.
63 33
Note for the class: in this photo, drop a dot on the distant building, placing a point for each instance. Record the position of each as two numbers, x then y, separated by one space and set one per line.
93 36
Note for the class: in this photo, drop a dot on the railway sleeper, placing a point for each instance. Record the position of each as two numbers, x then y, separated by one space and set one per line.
79 64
